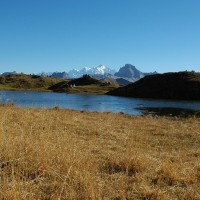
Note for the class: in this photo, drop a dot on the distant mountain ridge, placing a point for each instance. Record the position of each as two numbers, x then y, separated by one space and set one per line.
126 74
63 75
8 73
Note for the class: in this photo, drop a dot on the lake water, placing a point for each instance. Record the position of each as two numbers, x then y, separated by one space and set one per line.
92 102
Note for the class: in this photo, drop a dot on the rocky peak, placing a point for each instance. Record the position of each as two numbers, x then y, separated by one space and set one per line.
129 71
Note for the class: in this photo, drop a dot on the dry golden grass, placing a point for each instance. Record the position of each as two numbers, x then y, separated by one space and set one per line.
64 154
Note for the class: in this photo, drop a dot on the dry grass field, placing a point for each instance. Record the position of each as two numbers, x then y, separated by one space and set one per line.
65 154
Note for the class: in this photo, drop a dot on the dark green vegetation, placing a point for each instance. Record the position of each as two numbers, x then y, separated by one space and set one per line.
85 84
179 85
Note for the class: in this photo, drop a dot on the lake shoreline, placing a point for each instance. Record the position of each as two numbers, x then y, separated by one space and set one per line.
70 91
100 103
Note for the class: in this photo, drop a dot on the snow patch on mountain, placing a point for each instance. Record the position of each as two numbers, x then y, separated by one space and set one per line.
99 70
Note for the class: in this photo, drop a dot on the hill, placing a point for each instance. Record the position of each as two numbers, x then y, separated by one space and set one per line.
179 85
84 80
60 87
84 85
23 81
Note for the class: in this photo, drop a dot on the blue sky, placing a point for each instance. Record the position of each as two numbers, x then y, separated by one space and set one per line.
58 35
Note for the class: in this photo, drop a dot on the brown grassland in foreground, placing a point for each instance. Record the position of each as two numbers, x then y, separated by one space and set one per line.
65 154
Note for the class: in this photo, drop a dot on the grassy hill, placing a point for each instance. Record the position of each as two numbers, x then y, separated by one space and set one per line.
27 82
85 80
83 85
179 85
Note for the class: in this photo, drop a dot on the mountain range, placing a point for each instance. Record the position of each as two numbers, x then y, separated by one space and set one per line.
126 74
100 72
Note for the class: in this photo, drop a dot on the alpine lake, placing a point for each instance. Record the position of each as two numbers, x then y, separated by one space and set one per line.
101 103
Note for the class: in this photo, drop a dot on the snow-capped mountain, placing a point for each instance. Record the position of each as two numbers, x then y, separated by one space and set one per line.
102 70
99 70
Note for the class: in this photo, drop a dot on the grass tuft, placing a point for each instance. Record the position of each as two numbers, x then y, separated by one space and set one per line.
128 166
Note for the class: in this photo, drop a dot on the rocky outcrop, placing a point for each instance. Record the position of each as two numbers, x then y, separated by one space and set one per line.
179 85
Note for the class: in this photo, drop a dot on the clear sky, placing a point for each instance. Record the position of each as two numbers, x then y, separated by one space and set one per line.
58 35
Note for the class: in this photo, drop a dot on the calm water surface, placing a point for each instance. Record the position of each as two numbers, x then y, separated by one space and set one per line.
91 102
